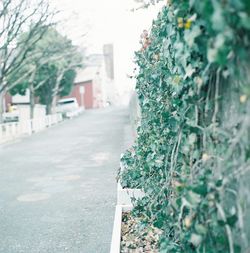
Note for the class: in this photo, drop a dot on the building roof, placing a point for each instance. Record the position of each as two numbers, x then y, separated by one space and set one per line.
87 74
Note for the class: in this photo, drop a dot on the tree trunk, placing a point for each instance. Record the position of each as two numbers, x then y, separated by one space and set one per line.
32 101
1 106
53 105
55 91
48 108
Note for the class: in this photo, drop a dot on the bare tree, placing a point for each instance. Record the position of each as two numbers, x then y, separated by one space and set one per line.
72 62
45 68
17 17
65 59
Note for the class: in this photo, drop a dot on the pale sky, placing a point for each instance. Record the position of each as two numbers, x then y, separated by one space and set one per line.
109 21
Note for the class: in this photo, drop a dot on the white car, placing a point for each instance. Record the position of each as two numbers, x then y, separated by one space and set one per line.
67 106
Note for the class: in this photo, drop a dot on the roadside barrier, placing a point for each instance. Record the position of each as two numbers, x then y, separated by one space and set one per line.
13 130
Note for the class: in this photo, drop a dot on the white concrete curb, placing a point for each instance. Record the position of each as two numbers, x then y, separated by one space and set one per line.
116 236
124 195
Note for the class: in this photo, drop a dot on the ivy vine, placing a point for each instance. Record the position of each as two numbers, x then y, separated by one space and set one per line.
192 153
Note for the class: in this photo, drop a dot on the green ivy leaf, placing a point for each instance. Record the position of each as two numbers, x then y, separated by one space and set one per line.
193 198
200 229
231 220
195 239
201 189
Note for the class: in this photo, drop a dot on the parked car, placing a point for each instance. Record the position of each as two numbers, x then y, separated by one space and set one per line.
68 107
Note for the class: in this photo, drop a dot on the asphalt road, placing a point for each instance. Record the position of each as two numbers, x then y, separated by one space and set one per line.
57 187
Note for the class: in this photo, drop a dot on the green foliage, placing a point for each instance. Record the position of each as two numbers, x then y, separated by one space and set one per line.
193 142
67 82
53 57
46 72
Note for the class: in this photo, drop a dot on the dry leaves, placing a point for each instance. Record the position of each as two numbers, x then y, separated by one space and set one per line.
136 239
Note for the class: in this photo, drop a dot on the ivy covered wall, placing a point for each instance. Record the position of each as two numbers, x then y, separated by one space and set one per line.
192 153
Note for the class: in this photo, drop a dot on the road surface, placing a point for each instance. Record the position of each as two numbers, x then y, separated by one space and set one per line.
57 187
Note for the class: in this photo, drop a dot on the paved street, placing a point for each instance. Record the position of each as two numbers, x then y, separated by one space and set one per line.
57 187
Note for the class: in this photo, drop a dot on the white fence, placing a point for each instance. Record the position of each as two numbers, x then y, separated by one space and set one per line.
12 130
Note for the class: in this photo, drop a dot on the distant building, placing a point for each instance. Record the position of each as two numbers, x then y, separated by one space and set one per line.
16 99
94 85
87 88
108 52
7 99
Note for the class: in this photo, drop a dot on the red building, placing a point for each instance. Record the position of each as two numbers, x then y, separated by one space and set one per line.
87 88
7 100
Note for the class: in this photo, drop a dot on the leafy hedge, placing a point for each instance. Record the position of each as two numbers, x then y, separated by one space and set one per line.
192 153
